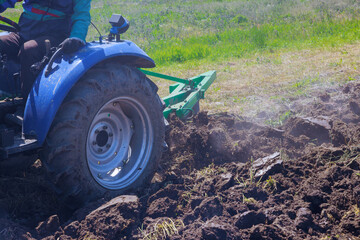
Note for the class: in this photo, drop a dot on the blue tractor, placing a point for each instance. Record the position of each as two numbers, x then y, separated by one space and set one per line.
94 116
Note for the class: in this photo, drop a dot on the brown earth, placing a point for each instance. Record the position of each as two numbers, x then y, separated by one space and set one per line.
223 177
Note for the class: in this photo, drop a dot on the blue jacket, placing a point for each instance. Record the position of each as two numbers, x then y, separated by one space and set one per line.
59 18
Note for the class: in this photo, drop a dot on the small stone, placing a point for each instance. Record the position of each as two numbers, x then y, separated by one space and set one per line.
123 199
268 165
261 162
321 121
225 181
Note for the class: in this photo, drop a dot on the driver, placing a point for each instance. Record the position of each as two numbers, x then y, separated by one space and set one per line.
63 22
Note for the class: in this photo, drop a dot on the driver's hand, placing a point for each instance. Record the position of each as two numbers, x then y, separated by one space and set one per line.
71 45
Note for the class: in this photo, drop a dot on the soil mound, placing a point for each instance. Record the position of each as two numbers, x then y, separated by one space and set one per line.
223 177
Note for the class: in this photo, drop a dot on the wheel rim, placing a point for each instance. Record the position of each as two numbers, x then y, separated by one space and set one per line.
119 143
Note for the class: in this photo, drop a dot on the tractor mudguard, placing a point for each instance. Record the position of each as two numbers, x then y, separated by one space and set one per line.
49 92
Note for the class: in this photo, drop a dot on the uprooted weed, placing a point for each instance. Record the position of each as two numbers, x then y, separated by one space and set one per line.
162 229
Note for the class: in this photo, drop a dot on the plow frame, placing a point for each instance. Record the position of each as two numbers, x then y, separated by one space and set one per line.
185 93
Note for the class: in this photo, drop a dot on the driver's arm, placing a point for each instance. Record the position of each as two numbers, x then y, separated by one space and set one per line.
5 4
80 19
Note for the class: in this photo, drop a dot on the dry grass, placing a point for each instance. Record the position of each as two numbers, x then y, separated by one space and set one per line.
162 229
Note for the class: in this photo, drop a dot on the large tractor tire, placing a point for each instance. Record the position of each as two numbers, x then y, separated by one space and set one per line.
107 136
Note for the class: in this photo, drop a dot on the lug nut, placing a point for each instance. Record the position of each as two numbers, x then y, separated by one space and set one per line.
100 150
108 146
110 134
94 142
114 104
96 131
99 176
105 127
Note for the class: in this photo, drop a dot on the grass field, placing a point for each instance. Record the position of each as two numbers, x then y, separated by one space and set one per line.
177 32
181 31
272 50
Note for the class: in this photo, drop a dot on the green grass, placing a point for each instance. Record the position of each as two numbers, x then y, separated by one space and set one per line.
175 32
187 31
237 43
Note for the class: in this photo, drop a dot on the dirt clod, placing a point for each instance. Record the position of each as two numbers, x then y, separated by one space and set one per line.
249 219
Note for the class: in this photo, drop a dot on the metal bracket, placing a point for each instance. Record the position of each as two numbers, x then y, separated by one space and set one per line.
185 93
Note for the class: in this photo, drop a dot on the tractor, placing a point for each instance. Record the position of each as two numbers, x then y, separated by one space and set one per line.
94 117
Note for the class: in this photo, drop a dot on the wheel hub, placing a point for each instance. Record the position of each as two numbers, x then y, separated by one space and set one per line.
119 144
102 138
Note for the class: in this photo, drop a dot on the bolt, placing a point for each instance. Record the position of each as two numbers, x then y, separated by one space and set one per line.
96 131
110 134
108 145
99 176
105 127
100 150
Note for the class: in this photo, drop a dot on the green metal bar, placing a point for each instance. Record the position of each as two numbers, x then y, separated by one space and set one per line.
182 105
207 79
188 104
185 93
173 87
167 77
175 97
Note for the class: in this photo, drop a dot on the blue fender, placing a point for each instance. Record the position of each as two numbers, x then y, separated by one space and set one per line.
49 92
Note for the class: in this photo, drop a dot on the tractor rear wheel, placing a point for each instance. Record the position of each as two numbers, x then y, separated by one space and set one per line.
107 136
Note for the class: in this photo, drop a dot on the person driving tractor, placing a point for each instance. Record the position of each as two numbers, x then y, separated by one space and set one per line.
61 22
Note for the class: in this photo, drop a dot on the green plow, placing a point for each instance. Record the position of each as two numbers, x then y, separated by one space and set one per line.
185 93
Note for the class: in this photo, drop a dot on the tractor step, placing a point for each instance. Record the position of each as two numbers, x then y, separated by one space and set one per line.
14 118
19 144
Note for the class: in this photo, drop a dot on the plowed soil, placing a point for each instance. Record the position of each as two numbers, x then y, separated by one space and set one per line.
223 177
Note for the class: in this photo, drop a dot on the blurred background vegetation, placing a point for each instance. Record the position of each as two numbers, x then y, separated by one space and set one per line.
191 30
